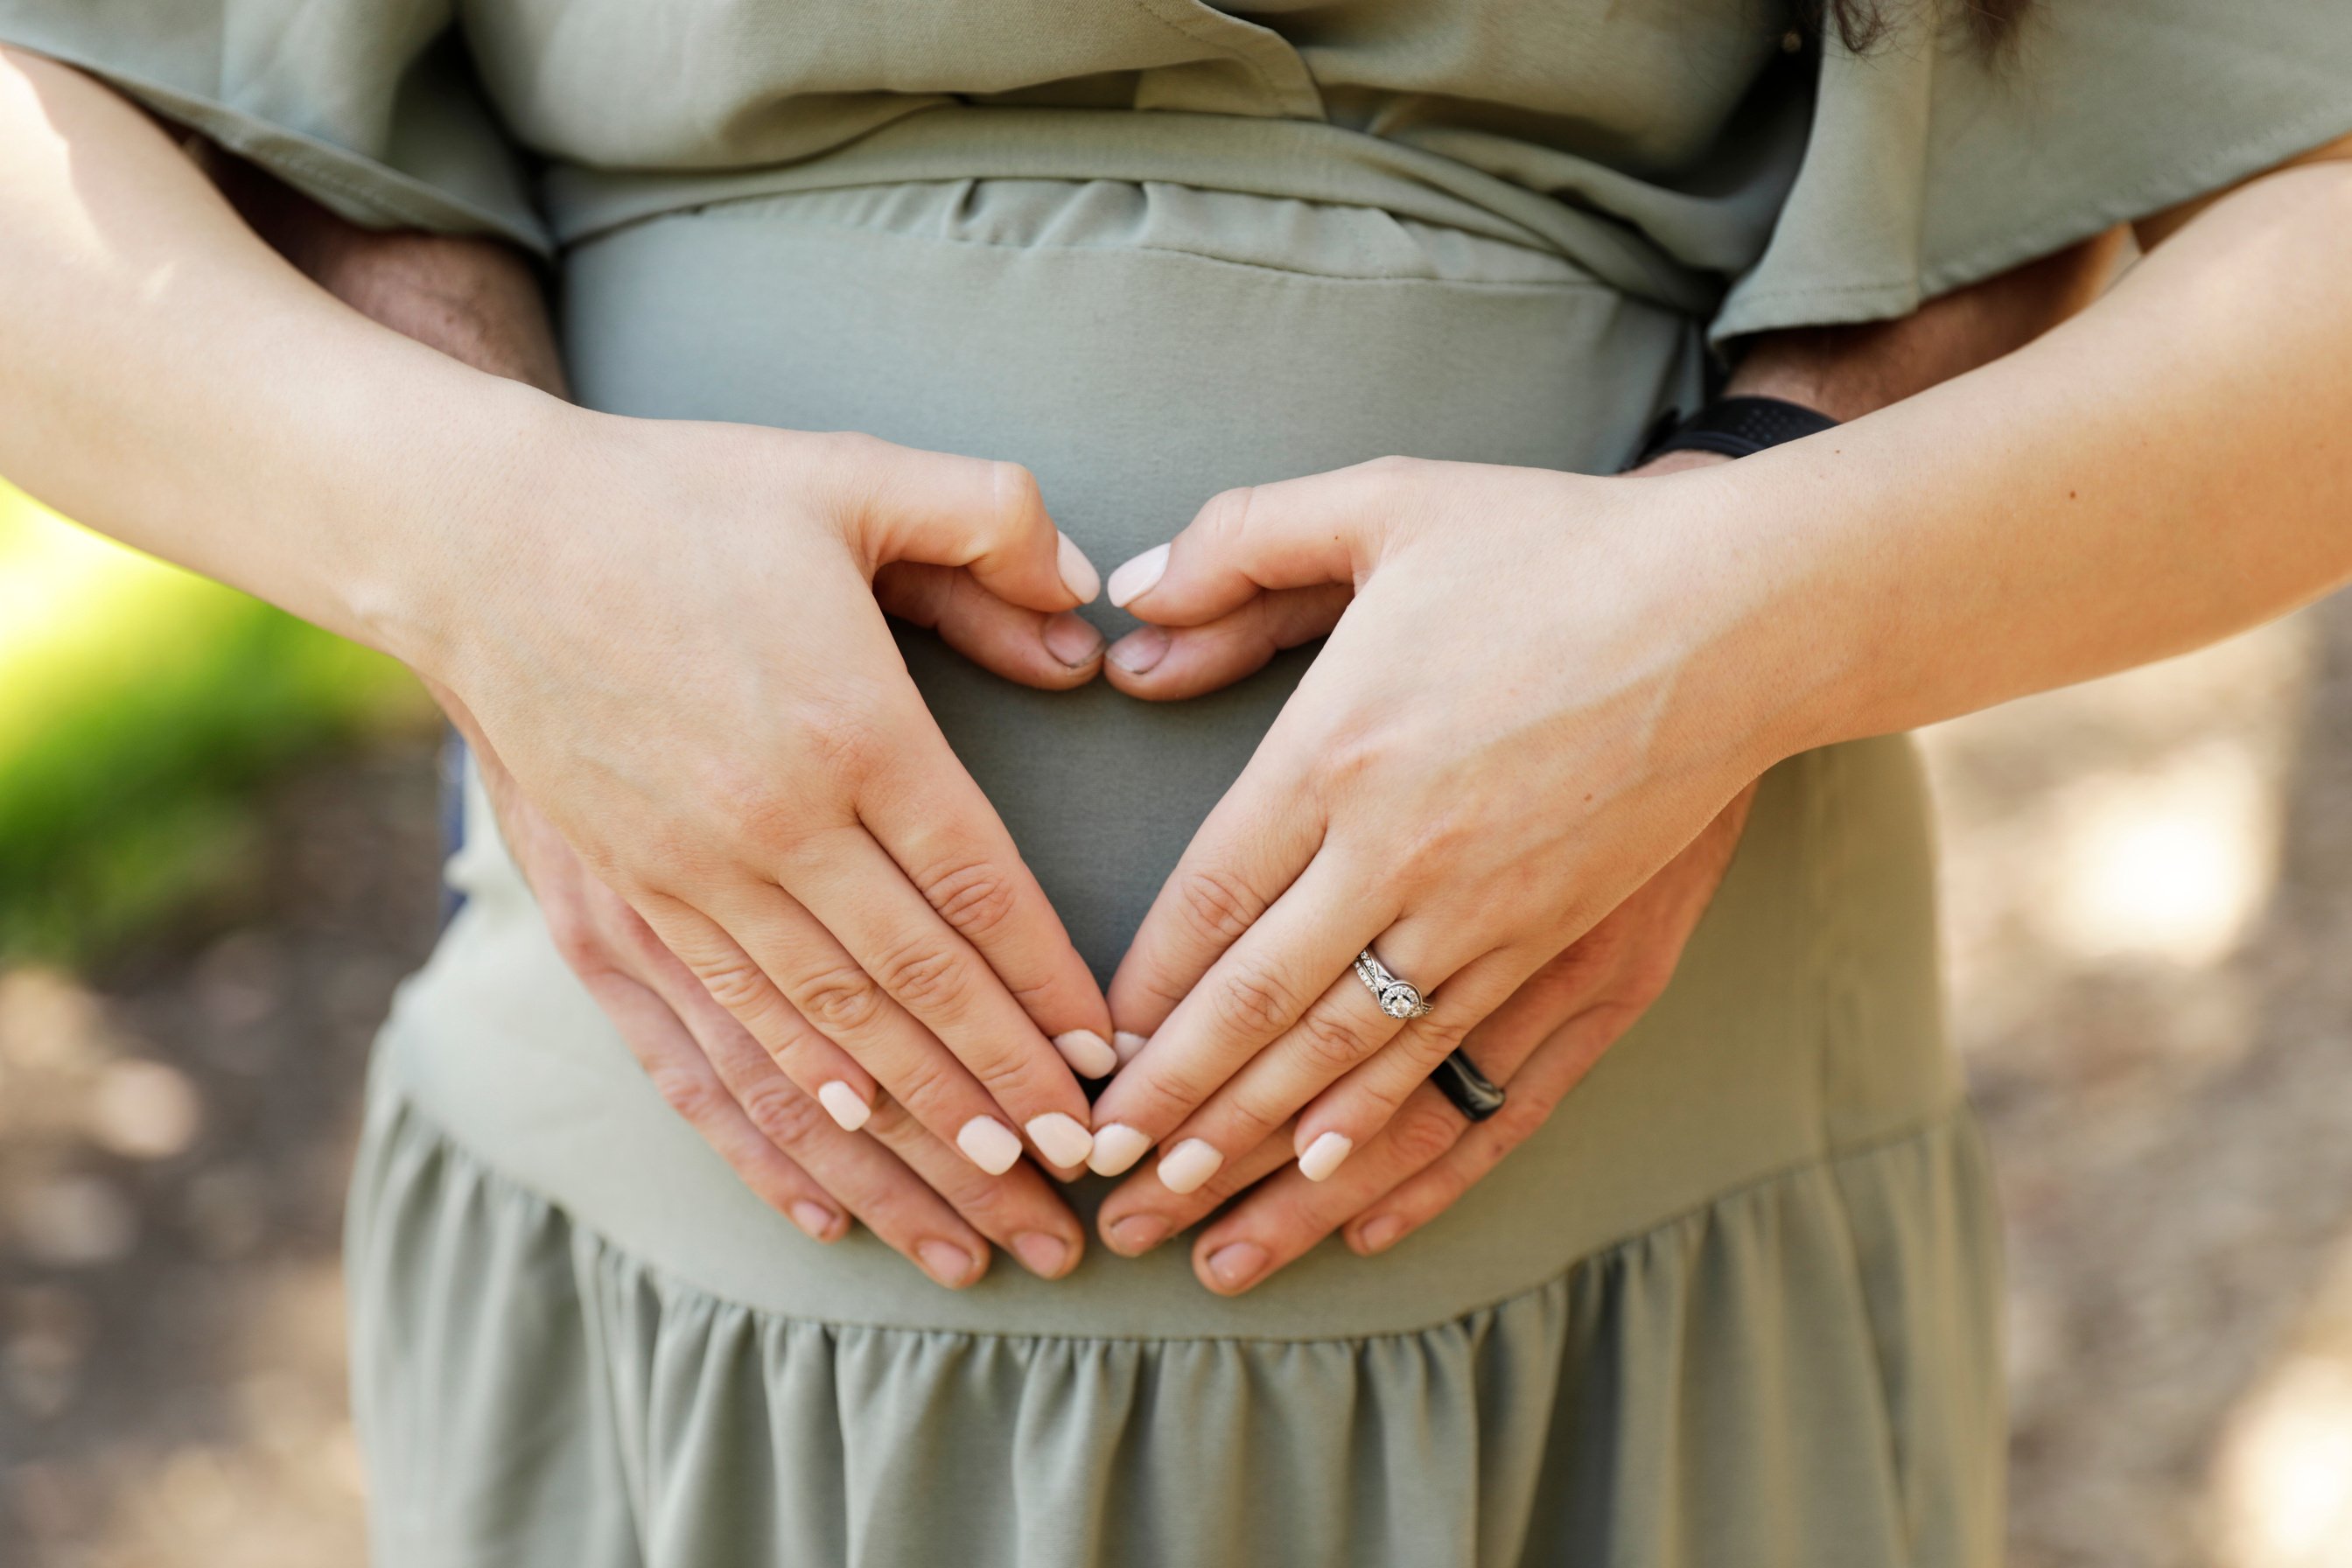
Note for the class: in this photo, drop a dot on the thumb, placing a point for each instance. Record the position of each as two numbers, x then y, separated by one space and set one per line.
1297 533
939 509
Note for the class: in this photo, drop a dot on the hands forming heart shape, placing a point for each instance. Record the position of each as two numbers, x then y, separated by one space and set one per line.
757 849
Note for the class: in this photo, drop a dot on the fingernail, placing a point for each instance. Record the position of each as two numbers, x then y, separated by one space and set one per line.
1140 651
1139 1233
1041 1253
1070 639
949 1264
1137 576
840 1102
815 1218
1189 1165
1087 1053
1323 1155
1078 574
1379 1235
1117 1147
989 1144
1063 1140
1126 1043
1237 1264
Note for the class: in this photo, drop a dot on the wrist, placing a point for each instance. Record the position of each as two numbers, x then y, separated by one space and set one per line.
461 504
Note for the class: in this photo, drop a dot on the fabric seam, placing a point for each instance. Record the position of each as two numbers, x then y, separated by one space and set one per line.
1607 1252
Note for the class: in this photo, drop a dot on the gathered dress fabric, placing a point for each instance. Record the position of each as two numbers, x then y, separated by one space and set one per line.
1737 1302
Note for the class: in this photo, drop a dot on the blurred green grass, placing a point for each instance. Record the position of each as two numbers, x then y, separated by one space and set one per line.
141 709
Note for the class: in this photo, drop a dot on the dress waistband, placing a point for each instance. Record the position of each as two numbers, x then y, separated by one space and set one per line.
1294 159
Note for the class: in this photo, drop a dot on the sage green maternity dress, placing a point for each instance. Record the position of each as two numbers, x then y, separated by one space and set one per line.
1736 1303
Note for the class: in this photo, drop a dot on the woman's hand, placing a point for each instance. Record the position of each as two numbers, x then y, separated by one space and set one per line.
671 637
1539 1044
1522 714
923 1199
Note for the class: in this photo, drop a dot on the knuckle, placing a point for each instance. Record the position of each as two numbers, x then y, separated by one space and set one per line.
928 977
975 897
1332 1042
1440 1034
577 941
784 1116
1220 906
845 742
843 1000
1228 512
1422 1133
1017 492
734 983
693 1095
1254 1002
926 1087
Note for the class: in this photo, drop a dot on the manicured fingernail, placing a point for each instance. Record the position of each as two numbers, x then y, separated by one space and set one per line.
1323 1155
1117 1147
1139 1233
1079 574
1089 1054
1127 1043
945 1262
1140 651
1237 1263
1069 639
1189 1165
1137 576
989 1144
1041 1253
841 1103
816 1219
1379 1235
1063 1140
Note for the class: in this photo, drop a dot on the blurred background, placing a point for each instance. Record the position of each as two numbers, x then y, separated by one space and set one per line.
218 858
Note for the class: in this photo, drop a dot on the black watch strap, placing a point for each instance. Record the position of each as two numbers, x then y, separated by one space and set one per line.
1734 427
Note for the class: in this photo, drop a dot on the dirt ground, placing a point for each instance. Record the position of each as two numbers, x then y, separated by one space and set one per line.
2148 898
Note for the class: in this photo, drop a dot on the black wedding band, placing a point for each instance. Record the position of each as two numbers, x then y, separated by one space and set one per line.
1473 1094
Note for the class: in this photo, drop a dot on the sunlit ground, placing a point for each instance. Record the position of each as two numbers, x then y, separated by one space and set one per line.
2148 895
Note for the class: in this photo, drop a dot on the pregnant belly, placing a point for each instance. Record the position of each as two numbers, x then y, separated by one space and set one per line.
1141 348
1114 348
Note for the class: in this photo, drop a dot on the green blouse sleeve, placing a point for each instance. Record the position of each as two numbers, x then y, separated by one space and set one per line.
370 107
1931 164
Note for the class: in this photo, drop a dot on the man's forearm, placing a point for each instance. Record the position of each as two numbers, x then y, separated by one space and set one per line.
1848 372
478 301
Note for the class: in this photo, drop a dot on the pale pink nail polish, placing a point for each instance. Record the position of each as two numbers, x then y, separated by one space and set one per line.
1078 574
1063 1140
1117 1147
1137 576
1126 1043
989 1144
1189 1165
815 1219
1089 1054
840 1102
1379 1235
1323 1155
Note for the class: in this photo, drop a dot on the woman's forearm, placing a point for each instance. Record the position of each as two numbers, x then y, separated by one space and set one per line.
173 382
2168 467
